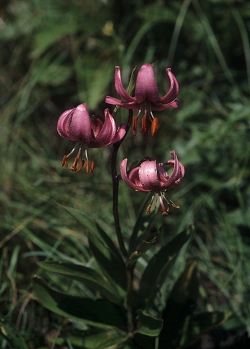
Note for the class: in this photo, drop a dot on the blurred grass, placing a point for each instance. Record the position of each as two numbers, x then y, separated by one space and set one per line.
55 55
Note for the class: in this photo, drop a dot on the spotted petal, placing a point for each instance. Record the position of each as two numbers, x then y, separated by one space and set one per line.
148 175
146 88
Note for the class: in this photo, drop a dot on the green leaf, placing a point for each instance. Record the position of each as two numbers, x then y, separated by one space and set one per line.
158 13
98 340
111 266
141 341
181 326
142 248
109 243
98 84
94 228
141 226
186 288
83 219
148 325
88 276
105 252
51 34
188 329
101 313
160 265
11 335
109 341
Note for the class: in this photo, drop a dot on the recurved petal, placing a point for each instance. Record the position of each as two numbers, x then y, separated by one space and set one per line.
180 176
79 125
162 106
129 105
121 132
148 175
131 177
146 87
120 88
107 133
177 174
173 89
63 124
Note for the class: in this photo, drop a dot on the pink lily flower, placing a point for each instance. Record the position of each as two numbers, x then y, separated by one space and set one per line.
146 98
150 176
89 132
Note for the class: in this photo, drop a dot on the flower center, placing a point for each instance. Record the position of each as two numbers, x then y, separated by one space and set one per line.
146 108
78 159
162 197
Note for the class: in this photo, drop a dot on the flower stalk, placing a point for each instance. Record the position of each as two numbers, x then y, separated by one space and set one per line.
115 181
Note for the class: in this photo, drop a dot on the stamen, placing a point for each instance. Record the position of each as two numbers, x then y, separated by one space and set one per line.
86 154
134 124
144 125
164 211
73 167
150 205
151 115
90 166
64 161
173 204
154 126
80 166
148 209
72 151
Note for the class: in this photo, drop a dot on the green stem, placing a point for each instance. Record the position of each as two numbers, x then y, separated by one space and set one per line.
130 296
129 269
115 181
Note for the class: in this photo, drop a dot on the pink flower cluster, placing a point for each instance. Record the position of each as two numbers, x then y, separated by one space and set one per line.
96 131
88 132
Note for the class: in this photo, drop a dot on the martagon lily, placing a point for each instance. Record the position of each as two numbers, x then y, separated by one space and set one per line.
146 97
88 132
150 176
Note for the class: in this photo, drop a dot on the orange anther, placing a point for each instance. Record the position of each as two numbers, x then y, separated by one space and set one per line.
134 124
80 166
73 167
164 213
144 125
154 126
90 166
64 161
148 209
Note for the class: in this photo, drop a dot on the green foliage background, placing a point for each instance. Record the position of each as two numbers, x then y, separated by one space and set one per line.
58 54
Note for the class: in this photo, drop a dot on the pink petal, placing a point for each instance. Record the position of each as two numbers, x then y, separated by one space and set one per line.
96 125
146 88
161 106
177 174
128 105
130 177
121 132
173 90
120 88
107 133
79 125
63 123
148 175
